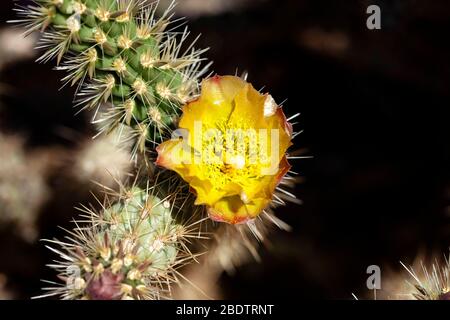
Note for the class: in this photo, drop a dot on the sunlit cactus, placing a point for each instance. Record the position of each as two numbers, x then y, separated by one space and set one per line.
426 278
430 282
118 52
142 79
130 249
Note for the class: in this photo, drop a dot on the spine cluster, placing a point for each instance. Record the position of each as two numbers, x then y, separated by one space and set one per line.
130 249
134 73
120 54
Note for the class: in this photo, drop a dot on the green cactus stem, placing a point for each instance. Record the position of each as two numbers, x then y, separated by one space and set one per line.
117 51
129 250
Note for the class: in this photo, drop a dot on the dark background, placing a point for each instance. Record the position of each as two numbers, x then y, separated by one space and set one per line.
374 110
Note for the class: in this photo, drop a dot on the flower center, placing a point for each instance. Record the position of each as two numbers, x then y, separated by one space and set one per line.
231 154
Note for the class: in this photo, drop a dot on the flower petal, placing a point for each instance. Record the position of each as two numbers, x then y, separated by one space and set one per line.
234 211
249 108
223 173
214 105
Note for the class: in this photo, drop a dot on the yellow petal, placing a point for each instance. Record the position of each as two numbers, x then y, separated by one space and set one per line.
279 122
265 186
222 90
174 155
249 108
234 187
207 194
234 211
214 105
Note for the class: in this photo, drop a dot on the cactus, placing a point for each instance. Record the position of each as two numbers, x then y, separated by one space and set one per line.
130 249
426 278
429 283
119 53
136 74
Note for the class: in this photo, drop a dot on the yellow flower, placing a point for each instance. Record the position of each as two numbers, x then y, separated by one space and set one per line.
230 148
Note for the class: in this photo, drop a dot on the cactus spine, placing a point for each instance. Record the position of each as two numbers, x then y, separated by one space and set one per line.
135 73
119 53
130 249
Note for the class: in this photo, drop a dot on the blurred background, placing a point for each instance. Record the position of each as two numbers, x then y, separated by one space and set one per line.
374 109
